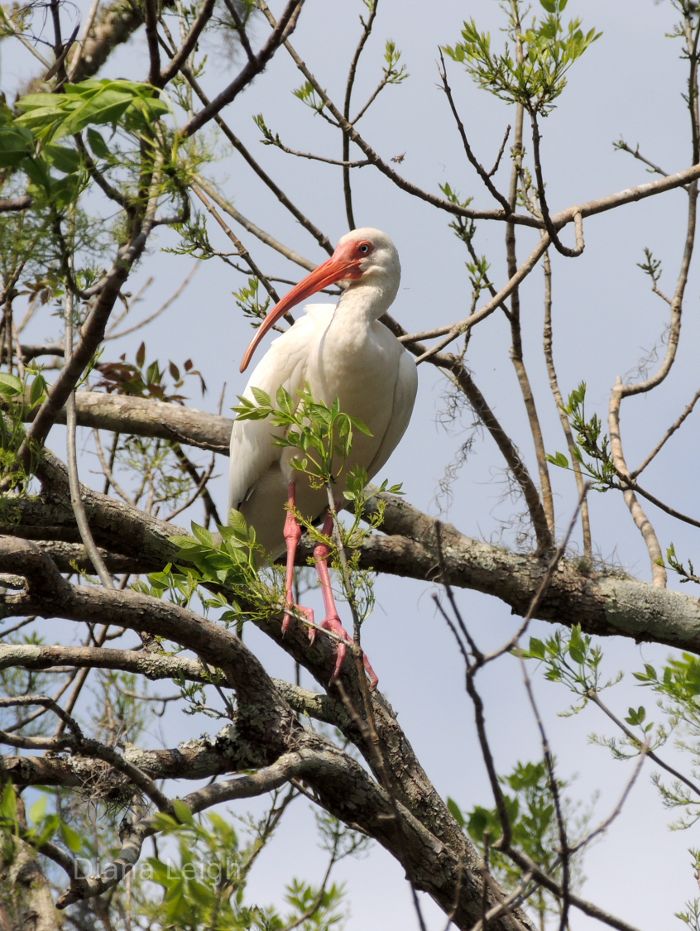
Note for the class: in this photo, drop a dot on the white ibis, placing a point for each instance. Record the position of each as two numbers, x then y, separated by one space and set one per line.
341 352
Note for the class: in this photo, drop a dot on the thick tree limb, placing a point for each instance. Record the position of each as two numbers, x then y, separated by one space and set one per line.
49 595
607 603
155 666
124 414
113 25
603 602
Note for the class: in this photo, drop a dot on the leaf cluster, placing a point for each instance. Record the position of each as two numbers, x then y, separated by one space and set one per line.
530 806
686 571
225 563
42 825
394 71
203 881
321 433
248 300
134 106
592 449
144 379
574 659
677 684
532 71
18 398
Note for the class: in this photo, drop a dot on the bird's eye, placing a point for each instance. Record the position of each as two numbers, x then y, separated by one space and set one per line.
364 248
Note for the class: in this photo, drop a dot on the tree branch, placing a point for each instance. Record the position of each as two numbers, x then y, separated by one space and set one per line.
253 67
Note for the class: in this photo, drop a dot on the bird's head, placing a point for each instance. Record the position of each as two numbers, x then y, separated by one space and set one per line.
364 256
369 256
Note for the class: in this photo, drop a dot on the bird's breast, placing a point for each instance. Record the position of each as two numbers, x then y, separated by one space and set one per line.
357 365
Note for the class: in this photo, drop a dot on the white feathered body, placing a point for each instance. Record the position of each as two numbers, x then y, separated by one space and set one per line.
340 352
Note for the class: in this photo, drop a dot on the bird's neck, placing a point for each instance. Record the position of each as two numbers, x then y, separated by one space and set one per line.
366 300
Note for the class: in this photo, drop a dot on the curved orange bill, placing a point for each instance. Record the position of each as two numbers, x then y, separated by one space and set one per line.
330 271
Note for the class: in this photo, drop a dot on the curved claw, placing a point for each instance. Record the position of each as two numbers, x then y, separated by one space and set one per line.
340 654
333 623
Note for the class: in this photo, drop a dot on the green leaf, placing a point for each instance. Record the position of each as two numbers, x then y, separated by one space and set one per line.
64 158
10 385
16 143
37 812
71 838
456 812
558 459
636 716
37 390
99 147
262 398
8 804
537 648
183 812
480 823
202 534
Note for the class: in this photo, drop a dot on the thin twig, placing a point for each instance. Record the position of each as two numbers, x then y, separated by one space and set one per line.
73 478
281 30
485 176
547 342
667 436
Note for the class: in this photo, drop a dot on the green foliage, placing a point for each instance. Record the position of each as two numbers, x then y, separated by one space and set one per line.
30 141
323 434
16 142
690 916
18 150
268 136
394 71
227 558
144 379
686 571
531 811
464 229
194 239
679 681
9 824
203 883
308 96
18 397
651 266
42 825
592 449
225 564
248 300
574 659
532 71
677 685
134 106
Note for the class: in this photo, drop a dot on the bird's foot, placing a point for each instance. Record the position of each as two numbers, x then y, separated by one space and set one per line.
333 624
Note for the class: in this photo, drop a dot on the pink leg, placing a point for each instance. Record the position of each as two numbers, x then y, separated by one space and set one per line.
331 620
292 535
